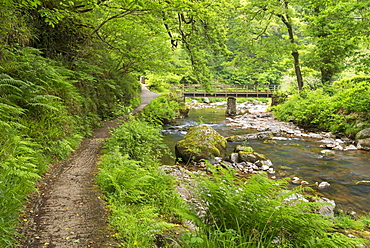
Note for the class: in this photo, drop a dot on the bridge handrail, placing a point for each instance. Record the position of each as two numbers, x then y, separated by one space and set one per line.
228 88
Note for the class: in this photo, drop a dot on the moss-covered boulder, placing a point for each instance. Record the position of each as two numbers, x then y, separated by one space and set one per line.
201 142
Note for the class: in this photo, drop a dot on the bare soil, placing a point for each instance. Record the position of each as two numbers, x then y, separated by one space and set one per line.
68 210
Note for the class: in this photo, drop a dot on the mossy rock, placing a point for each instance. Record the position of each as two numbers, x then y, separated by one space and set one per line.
242 148
201 142
363 134
251 157
363 139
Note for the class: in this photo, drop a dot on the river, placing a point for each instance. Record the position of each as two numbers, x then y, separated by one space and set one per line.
298 157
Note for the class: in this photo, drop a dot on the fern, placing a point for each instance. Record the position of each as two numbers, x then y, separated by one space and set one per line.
258 213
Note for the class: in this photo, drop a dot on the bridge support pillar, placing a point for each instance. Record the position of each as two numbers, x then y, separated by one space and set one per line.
231 106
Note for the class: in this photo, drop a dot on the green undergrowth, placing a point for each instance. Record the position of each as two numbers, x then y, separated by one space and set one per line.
260 212
142 198
45 111
163 109
342 108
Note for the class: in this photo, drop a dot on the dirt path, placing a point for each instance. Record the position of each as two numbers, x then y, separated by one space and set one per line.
69 211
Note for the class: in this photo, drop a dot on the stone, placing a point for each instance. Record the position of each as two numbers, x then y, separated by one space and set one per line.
251 157
338 147
254 136
265 135
280 138
218 159
296 181
328 152
267 163
231 106
327 208
239 148
363 134
350 147
234 157
206 100
328 140
363 144
323 185
363 139
295 197
264 115
201 142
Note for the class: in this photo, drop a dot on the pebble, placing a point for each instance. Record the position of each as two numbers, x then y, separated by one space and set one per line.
323 185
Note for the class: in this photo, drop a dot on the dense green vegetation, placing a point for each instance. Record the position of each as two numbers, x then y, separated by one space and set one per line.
342 108
261 213
163 109
141 197
46 109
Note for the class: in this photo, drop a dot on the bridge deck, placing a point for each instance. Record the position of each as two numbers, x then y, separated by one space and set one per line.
227 91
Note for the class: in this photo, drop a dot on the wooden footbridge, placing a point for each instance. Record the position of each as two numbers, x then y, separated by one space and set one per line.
254 91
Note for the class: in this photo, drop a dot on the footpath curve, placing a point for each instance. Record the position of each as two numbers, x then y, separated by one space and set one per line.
68 210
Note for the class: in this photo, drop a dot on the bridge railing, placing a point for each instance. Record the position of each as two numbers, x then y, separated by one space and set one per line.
231 89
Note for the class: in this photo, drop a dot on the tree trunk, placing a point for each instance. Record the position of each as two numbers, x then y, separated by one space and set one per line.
297 67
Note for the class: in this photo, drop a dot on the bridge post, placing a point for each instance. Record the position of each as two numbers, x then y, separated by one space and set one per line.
231 106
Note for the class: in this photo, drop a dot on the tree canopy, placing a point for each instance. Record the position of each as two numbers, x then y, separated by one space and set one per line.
244 42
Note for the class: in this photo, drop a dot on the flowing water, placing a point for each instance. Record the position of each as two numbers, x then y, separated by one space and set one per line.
295 157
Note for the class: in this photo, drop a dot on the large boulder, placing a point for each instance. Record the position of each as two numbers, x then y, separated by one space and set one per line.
201 142
363 139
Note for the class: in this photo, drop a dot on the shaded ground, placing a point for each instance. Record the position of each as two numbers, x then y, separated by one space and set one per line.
69 211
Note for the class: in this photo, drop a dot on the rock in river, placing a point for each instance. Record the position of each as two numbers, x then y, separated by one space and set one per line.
363 139
201 142
323 185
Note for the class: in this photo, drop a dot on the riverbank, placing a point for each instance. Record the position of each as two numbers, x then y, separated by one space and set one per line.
303 156
148 212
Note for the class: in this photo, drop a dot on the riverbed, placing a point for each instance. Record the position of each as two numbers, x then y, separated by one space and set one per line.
293 152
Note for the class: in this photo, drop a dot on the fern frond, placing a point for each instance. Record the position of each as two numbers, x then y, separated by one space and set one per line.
7 88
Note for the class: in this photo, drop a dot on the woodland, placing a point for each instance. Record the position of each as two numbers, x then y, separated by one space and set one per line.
67 65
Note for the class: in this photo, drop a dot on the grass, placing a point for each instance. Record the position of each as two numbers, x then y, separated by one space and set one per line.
256 213
142 198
